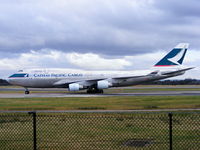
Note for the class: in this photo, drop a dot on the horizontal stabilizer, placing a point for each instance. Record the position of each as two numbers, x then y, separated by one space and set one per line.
178 71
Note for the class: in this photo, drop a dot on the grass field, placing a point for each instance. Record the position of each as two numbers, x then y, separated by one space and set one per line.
83 131
134 89
102 103
89 131
105 103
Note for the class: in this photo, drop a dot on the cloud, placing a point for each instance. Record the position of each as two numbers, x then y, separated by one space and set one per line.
111 27
68 33
190 8
95 62
51 58
48 58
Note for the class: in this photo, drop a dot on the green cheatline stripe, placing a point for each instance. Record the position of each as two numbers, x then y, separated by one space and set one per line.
18 75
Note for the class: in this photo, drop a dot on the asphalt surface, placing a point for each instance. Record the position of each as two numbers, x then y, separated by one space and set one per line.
61 92
131 87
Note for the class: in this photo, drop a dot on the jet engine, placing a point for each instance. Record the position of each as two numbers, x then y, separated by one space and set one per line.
75 87
103 84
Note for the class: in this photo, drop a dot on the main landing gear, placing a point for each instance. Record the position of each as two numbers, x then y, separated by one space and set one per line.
94 91
26 91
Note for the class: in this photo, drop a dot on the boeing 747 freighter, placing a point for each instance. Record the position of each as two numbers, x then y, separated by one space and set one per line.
97 81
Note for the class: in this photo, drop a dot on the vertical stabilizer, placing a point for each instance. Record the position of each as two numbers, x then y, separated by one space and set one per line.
174 57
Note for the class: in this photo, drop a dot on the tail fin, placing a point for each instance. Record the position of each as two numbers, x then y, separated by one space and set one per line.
174 57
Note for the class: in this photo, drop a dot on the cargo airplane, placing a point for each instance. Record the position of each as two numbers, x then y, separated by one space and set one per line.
97 81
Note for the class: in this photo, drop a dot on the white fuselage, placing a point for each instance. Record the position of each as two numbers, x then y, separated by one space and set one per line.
49 78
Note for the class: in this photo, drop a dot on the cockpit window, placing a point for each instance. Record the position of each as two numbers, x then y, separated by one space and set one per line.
19 75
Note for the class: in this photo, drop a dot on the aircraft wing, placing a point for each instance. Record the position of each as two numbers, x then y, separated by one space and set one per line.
127 77
177 71
90 82
65 82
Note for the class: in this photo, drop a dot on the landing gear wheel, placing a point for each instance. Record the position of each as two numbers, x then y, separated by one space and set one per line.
94 91
100 91
27 92
89 91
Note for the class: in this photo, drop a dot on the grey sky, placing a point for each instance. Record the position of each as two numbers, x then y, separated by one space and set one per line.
117 27
108 28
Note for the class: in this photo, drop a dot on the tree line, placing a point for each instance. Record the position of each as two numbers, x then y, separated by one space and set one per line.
3 82
176 82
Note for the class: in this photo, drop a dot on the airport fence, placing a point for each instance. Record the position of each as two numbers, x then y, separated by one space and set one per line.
88 130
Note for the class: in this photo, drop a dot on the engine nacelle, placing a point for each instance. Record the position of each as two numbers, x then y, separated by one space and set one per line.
75 87
103 84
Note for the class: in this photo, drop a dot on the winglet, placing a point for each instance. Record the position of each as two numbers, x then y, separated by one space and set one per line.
174 57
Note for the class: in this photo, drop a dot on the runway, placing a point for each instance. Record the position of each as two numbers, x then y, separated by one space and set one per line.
18 92
132 87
